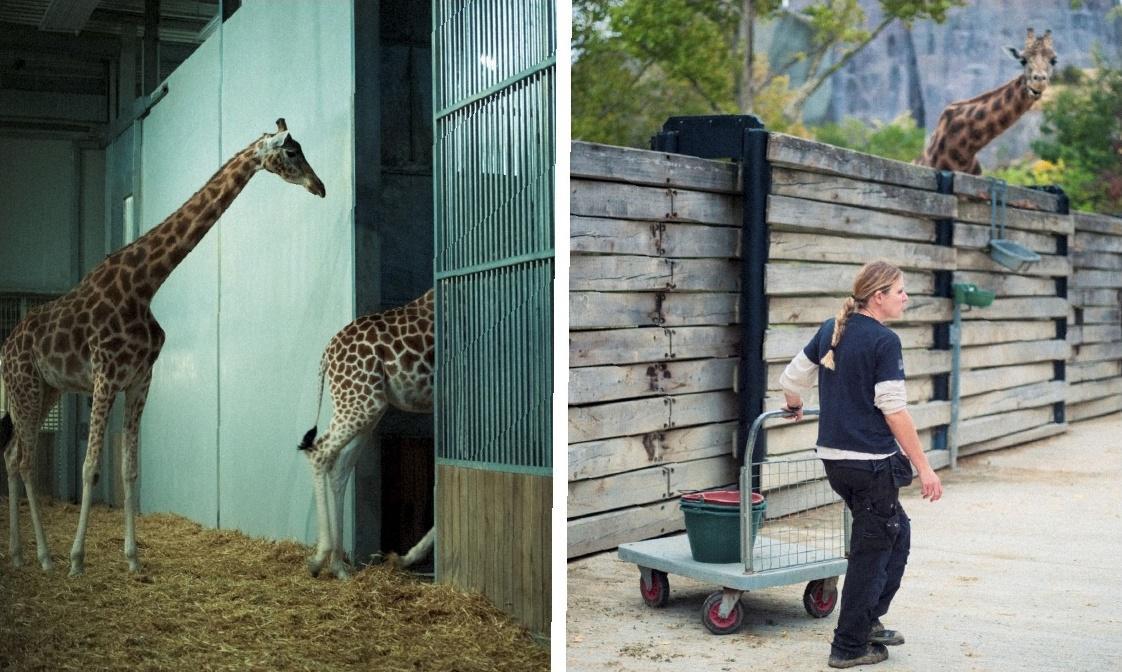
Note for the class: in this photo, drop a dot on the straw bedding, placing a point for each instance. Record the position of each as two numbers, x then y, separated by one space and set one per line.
218 600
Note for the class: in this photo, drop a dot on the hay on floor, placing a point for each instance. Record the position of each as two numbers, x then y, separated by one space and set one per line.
219 600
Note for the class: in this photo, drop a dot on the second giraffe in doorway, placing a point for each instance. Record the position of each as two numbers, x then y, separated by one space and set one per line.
966 126
377 361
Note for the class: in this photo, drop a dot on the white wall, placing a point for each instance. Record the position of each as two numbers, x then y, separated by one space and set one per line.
250 310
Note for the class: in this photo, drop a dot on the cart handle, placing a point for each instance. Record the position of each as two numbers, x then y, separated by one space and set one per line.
767 415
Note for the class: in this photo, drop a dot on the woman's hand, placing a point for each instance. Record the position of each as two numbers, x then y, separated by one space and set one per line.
795 406
932 486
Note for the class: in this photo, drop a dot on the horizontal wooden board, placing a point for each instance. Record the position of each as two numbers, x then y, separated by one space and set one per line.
1013 399
650 344
785 213
787 150
625 201
593 384
791 278
1083 371
637 166
639 416
1006 284
625 273
1091 221
1097 279
783 343
592 459
979 187
986 332
1050 265
816 309
1084 241
975 212
1101 333
1003 354
977 237
1094 409
974 430
1004 308
831 249
651 238
649 485
1093 389
608 530
613 310
1015 439
972 382
1097 352
873 195
1107 261
1086 297
1102 316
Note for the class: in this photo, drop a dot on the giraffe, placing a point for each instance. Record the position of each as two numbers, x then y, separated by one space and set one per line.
101 338
966 126
377 361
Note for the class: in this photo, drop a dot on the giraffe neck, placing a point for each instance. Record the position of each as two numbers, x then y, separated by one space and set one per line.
151 258
1004 106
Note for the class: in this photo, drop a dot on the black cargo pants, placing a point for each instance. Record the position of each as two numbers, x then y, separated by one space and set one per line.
879 544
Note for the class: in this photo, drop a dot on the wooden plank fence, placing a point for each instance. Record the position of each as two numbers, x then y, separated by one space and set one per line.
654 286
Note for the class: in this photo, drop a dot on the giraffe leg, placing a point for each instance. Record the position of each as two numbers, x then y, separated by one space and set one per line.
11 461
135 398
323 455
420 550
99 413
340 474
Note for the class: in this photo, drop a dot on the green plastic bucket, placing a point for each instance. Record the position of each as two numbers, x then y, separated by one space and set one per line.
713 523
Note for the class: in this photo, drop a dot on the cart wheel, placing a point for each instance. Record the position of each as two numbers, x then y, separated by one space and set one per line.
658 593
711 616
818 601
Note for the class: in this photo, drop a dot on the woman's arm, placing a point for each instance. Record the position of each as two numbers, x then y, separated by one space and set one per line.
904 429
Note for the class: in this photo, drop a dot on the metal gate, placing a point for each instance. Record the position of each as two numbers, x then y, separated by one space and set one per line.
494 67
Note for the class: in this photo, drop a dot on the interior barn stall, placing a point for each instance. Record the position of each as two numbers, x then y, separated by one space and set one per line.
362 86
656 312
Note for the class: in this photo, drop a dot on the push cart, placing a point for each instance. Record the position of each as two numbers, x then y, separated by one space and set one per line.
791 547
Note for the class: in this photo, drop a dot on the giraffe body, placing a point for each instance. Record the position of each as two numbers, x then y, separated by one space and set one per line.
966 126
101 339
377 361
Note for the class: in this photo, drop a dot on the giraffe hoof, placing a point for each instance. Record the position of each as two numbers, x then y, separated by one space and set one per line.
77 566
47 564
314 567
341 573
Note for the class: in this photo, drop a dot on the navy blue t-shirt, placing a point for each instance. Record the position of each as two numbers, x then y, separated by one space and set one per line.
869 353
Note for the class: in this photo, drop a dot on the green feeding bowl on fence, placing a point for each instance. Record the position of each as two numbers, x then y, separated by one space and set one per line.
970 295
1014 256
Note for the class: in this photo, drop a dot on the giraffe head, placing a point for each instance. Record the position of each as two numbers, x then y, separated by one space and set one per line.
280 154
1038 59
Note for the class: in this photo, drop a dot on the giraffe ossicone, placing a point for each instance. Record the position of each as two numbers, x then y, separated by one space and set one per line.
377 361
966 126
101 338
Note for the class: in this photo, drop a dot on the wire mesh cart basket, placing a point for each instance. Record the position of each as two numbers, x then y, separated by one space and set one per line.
797 541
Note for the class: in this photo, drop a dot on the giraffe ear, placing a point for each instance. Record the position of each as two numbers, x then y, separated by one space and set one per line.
1015 54
277 140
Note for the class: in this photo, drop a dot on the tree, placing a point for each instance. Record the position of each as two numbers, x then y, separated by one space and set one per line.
636 59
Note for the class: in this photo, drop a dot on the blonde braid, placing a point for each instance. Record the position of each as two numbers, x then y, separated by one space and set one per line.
848 308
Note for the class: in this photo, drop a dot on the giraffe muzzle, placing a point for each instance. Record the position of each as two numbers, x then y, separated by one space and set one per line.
315 185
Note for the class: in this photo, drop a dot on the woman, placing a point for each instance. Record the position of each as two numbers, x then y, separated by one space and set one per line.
858 365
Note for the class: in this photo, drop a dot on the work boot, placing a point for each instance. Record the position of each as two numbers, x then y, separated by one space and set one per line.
874 653
878 635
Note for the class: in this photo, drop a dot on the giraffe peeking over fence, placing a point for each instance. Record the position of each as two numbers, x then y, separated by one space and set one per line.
966 126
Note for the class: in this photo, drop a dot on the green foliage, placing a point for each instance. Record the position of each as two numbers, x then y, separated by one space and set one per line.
637 62
899 139
1083 132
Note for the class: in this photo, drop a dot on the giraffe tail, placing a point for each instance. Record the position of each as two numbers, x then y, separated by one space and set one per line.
310 436
6 430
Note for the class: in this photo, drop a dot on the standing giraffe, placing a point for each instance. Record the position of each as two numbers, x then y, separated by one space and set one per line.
966 126
101 338
377 361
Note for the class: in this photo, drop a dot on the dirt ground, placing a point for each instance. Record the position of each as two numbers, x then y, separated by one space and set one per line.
1016 568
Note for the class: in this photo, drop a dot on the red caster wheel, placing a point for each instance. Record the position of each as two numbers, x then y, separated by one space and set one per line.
820 599
711 615
657 592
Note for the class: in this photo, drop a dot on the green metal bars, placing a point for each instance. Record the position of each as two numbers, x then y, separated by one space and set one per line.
494 65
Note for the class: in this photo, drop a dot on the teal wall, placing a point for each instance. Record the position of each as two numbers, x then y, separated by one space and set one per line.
250 310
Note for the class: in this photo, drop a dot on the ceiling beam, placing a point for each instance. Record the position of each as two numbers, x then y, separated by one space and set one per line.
67 16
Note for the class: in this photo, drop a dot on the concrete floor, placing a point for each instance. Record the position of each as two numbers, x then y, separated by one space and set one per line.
1017 568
